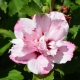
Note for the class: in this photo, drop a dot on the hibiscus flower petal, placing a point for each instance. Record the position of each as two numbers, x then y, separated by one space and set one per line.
43 21
59 16
17 41
24 24
57 30
41 65
16 50
52 52
34 66
20 50
23 59
65 53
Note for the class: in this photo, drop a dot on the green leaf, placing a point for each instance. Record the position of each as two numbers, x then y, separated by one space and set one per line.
21 15
35 77
38 2
60 71
15 6
74 30
27 1
31 9
67 2
49 76
7 33
77 1
72 5
3 5
4 48
46 3
14 75
26 69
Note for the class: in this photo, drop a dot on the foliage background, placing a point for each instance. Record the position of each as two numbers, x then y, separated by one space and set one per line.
11 11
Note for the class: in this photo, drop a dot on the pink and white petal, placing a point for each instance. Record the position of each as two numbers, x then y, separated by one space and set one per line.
34 66
20 50
37 32
16 50
59 43
19 34
43 21
42 44
58 23
52 45
57 15
29 47
41 65
52 52
46 64
65 53
65 25
55 33
43 61
47 69
17 41
24 59
24 24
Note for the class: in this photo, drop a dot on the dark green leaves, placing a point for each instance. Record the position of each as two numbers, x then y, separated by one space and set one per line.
4 48
3 5
74 30
24 7
7 33
77 1
31 9
49 76
13 75
15 6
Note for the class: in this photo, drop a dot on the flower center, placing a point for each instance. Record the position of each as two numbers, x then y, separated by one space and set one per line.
37 54
47 44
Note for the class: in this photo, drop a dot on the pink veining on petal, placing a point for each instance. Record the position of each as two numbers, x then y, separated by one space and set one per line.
64 54
44 21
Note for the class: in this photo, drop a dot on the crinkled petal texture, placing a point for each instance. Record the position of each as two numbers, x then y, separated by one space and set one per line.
41 65
64 53
39 42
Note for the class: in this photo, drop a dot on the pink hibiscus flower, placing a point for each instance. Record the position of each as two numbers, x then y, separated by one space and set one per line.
39 42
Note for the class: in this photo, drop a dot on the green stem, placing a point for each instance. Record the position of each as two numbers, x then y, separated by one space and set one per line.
52 5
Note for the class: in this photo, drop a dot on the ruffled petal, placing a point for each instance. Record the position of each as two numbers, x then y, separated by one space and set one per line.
56 31
17 41
37 32
65 53
41 65
52 52
24 25
20 50
57 15
23 59
42 45
34 66
16 50
43 21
